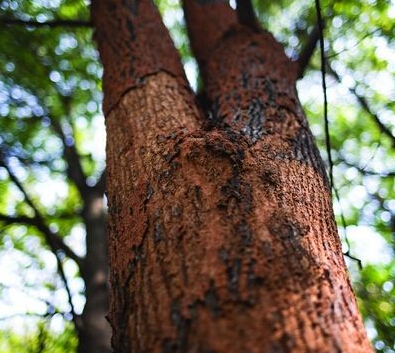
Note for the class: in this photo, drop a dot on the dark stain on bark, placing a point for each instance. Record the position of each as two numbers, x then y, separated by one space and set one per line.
139 255
182 325
284 229
244 78
211 300
287 342
113 207
253 282
223 255
171 156
233 273
252 120
176 211
252 279
149 191
267 249
269 179
270 90
276 348
158 232
231 190
197 200
243 231
213 119
306 151
130 27
132 6
111 6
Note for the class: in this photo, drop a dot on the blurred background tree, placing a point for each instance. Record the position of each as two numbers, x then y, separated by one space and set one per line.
52 158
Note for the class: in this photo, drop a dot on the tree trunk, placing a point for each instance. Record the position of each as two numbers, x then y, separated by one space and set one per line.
222 234
94 332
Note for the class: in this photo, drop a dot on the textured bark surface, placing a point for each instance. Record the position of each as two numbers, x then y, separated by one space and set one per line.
222 234
133 39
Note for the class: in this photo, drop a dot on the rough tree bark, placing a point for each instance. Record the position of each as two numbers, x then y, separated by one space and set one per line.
222 234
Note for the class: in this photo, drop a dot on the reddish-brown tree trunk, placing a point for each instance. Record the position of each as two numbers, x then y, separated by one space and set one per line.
222 235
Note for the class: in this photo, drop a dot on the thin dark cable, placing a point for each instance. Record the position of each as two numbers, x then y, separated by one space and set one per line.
327 136
344 225
323 73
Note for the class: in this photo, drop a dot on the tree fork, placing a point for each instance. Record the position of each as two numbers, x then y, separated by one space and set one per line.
222 234
246 14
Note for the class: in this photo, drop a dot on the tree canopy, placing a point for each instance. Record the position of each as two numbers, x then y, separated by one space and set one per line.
52 143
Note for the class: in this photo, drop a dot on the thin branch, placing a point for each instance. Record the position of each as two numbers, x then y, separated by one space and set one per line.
54 23
18 184
74 316
367 35
353 258
308 50
53 239
65 215
323 72
344 225
74 168
51 309
365 105
365 171
17 220
70 155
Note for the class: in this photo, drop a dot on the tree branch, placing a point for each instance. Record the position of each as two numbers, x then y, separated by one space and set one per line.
17 219
51 309
74 316
100 186
365 171
53 239
74 168
70 154
308 50
365 105
54 23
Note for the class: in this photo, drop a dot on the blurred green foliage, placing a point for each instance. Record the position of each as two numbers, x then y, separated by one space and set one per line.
53 74
41 339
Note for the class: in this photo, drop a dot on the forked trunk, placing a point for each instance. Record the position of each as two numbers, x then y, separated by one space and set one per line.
222 234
